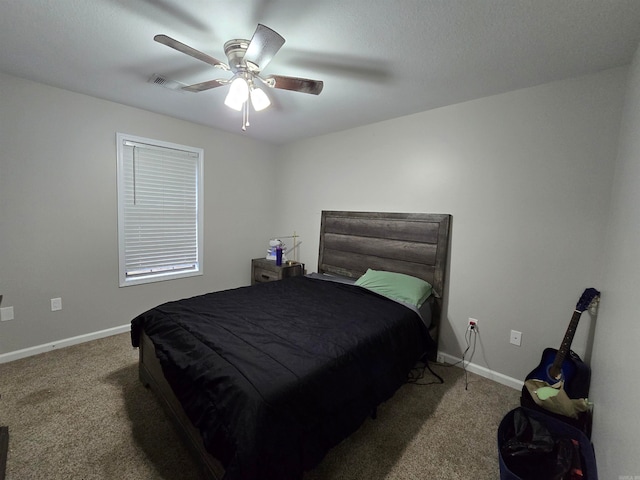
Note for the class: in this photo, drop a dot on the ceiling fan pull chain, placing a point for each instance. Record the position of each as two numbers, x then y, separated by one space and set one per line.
245 116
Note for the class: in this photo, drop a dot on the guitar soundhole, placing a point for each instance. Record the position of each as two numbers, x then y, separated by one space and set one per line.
553 379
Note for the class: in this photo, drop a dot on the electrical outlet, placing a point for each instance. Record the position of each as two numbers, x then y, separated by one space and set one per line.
473 323
516 338
56 304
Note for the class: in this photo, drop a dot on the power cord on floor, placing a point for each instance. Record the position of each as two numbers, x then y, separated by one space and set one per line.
472 331
417 373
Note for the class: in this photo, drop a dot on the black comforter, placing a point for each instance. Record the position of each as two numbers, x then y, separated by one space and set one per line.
276 374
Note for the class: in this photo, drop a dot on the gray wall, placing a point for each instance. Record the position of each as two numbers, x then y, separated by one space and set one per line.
527 177
58 211
615 389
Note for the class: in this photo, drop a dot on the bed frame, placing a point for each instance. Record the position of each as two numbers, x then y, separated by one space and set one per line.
416 244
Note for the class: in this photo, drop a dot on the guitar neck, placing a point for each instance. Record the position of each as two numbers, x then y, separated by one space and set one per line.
566 344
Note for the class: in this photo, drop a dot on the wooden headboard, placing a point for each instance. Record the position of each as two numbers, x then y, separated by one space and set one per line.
415 244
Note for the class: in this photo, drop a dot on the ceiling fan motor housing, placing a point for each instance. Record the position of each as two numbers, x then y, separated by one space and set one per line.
235 51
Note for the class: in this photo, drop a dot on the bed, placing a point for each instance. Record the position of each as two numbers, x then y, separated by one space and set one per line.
263 380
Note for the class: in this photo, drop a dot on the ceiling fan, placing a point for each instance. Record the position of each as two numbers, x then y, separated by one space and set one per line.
246 60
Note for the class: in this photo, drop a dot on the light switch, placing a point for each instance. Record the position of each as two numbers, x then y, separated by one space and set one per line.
6 314
516 337
56 304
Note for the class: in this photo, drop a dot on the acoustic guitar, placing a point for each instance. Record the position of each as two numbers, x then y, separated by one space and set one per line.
563 367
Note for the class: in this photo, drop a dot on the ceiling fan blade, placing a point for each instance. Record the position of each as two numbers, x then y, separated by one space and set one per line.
199 87
297 84
181 47
263 46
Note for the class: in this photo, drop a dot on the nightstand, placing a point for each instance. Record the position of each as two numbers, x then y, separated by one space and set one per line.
263 270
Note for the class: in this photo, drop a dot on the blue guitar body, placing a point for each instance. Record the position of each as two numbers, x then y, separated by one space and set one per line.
563 364
574 372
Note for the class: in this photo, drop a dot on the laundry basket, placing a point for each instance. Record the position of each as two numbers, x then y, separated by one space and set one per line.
557 429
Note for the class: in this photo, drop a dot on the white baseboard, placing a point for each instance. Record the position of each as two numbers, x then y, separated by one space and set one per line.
67 342
483 371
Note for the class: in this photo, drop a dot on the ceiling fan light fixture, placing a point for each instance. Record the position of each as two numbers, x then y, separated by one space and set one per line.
238 94
246 60
259 99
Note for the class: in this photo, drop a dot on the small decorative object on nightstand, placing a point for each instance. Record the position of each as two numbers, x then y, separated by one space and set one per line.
263 270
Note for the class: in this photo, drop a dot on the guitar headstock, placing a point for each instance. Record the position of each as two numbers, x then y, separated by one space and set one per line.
589 297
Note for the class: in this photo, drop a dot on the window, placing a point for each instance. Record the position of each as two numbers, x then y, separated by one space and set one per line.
159 210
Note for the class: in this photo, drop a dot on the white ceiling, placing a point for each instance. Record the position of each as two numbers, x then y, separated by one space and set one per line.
379 59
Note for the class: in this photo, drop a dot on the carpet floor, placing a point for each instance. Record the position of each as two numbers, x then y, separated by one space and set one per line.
81 413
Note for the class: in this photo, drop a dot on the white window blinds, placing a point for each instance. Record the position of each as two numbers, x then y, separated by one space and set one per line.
159 210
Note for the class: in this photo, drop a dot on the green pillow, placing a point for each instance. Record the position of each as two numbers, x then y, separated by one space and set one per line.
396 286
